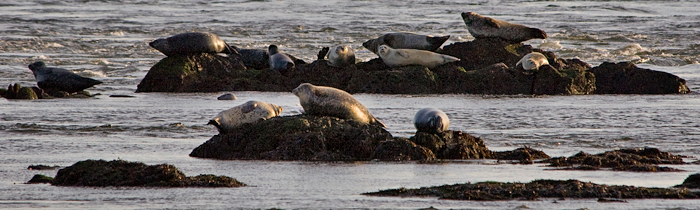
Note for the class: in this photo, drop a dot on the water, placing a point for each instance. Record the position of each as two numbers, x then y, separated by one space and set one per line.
107 40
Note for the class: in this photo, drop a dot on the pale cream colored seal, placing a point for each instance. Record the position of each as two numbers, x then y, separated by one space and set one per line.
404 57
341 56
403 40
328 101
481 27
532 61
249 112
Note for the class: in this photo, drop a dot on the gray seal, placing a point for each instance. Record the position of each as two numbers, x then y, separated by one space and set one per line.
259 58
52 79
192 43
341 56
279 61
431 120
329 101
248 112
403 40
481 27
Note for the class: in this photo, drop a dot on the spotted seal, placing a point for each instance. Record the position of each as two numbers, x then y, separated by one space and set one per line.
403 40
53 79
403 57
532 61
341 56
431 120
481 26
192 43
328 101
279 61
248 112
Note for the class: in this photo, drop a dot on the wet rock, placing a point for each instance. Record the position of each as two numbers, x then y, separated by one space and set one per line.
194 73
627 78
635 159
487 191
452 145
227 96
42 167
100 173
298 137
693 181
401 149
40 179
525 155
16 91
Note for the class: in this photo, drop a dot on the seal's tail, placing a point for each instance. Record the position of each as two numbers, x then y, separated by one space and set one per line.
230 50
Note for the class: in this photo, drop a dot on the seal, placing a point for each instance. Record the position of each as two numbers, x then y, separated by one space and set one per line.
279 61
403 57
53 79
482 27
248 112
259 58
192 43
341 56
227 96
328 101
532 61
403 40
431 120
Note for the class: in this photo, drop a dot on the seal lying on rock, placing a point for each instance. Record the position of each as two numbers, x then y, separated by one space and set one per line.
58 79
328 101
403 40
403 57
532 61
431 120
192 43
248 112
279 61
341 56
481 27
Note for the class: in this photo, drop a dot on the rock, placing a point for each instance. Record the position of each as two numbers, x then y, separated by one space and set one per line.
627 78
42 167
693 181
193 73
40 179
492 191
100 173
298 137
453 145
635 159
227 96
401 149
525 155
16 91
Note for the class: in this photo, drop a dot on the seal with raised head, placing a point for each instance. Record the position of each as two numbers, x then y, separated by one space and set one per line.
248 112
329 101
52 79
431 120
532 61
192 43
404 40
279 61
481 27
341 56
404 57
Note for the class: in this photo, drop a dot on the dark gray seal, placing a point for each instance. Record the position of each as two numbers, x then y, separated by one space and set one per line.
403 40
227 96
431 120
57 79
192 43
259 58
482 27
279 61
329 101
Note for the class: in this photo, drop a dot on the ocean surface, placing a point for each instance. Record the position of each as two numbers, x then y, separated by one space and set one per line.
108 40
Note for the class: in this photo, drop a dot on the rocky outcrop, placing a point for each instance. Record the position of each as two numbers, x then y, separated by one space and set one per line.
100 173
314 138
693 181
492 191
635 159
18 92
487 67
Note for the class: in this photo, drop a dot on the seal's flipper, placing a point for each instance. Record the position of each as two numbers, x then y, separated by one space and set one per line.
230 50
493 23
322 54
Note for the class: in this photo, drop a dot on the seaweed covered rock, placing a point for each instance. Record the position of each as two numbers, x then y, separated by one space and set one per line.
627 78
299 137
693 181
16 91
100 173
40 179
635 159
400 149
525 155
453 145
203 72
489 191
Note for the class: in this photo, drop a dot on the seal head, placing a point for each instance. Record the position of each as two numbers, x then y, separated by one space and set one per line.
431 120
341 56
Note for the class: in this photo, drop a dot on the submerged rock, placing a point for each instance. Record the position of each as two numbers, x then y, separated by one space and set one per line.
100 173
42 167
627 78
636 159
40 179
490 191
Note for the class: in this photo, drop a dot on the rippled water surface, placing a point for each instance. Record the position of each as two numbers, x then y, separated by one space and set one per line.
107 40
